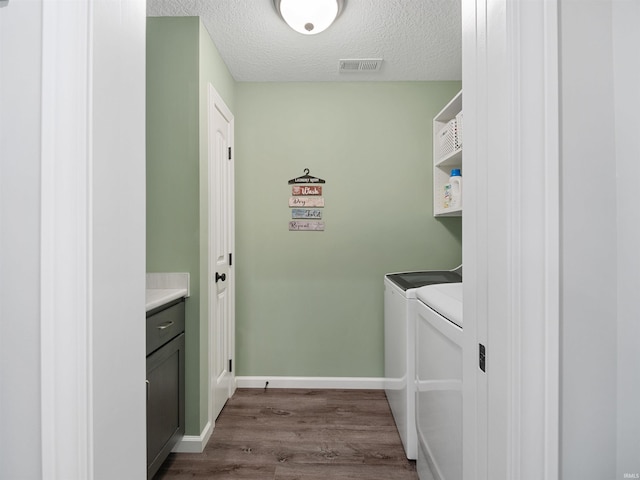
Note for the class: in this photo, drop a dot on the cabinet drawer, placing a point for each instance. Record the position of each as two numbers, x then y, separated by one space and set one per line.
163 325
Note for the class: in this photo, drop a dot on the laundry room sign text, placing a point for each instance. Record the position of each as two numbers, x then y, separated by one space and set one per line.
306 178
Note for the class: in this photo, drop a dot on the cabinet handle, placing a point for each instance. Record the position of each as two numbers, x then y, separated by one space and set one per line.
148 388
165 325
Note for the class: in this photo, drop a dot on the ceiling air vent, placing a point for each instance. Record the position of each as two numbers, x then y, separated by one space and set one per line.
360 65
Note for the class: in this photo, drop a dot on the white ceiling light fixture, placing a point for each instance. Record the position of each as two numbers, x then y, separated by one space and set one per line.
309 16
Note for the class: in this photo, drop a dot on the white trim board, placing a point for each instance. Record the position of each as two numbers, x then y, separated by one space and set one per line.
194 443
349 383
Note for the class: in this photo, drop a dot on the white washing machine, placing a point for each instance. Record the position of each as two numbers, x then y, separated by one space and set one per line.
399 346
438 370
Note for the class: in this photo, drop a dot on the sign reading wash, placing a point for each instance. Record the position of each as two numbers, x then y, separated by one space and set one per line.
305 190
305 203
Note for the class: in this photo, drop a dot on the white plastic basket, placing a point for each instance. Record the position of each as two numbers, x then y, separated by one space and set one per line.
459 131
447 138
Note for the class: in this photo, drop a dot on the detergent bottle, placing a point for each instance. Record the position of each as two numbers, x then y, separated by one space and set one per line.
455 193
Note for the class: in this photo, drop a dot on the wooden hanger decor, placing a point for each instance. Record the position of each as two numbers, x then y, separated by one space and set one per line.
306 178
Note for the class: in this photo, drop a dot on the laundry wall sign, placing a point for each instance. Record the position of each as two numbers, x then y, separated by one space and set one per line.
306 203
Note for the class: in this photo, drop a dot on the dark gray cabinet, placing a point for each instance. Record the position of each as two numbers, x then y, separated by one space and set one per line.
165 382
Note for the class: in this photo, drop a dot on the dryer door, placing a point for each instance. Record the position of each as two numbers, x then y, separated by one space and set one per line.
438 396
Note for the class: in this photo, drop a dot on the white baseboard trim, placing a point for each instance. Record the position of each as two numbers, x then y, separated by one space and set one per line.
194 443
352 383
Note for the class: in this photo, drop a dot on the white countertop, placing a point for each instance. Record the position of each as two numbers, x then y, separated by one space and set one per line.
163 288
159 296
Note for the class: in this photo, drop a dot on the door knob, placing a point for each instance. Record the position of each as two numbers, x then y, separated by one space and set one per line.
222 277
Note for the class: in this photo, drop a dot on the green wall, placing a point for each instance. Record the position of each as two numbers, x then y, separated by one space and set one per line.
311 303
308 303
181 61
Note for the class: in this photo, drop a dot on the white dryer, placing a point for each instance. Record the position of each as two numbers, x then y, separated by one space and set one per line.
399 345
438 370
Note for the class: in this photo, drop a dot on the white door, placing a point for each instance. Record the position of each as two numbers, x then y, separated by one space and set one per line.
221 270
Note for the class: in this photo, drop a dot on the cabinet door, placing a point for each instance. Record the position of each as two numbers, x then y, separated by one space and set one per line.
165 402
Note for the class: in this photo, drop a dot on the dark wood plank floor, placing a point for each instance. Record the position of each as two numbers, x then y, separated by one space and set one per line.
287 434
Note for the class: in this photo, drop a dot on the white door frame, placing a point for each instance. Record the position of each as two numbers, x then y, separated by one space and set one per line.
511 239
84 152
66 347
214 100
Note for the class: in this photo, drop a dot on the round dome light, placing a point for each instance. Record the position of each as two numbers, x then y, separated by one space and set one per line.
309 16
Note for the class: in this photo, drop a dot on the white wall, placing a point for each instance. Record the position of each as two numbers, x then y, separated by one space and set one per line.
588 246
20 83
626 73
600 87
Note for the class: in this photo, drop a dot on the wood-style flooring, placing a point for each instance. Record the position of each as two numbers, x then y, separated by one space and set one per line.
291 434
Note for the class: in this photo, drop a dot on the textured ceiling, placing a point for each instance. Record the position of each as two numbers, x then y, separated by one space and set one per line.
418 39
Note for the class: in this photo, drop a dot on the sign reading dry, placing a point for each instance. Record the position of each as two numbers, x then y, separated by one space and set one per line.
306 202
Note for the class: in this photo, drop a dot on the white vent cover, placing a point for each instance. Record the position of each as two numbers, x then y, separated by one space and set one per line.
360 65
